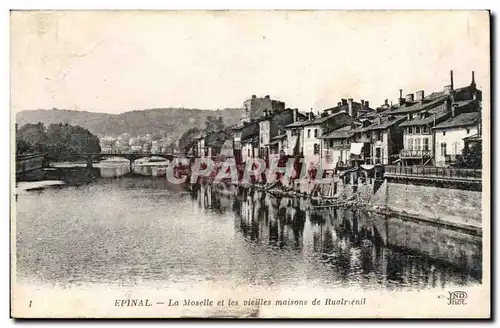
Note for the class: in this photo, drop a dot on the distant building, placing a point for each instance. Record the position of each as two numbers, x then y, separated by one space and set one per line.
107 144
250 141
255 107
270 126
155 147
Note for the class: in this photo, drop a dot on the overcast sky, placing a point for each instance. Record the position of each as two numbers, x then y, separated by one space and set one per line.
119 61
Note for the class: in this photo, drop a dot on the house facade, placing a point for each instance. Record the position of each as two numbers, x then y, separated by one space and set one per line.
272 125
386 139
249 140
450 135
304 137
418 134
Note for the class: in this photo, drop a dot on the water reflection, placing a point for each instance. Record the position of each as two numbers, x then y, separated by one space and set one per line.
355 245
136 230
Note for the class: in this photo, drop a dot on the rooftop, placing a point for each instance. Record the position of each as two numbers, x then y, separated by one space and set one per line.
344 132
465 119
427 103
315 121
385 122
440 112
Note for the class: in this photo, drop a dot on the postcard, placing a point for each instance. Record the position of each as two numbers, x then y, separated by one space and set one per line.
250 164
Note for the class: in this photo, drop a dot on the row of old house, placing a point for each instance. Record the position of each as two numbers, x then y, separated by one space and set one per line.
419 129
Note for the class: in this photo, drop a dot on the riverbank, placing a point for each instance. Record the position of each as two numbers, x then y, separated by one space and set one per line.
428 205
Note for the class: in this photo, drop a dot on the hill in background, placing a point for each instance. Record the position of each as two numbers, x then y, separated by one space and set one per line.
171 122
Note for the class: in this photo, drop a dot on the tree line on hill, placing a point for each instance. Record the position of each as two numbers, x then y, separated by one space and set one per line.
58 141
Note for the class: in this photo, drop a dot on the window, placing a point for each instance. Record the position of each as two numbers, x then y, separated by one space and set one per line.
410 144
331 142
309 133
315 133
467 131
443 149
425 129
316 149
417 129
444 133
417 144
249 153
425 144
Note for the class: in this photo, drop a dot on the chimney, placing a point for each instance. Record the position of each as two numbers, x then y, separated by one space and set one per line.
473 85
367 104
254 97
362 103
311 115
452 89
350 108
409 97
344 101
386 102
401 99
447 90
419 95
451 80
339 104
267 97
295 112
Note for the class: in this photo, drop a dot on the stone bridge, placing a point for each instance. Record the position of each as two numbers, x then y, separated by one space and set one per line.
90 157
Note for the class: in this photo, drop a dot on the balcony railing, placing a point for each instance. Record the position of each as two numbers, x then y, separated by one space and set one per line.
405 153
445 173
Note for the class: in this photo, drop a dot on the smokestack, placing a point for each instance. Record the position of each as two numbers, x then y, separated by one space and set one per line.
419 95
409 97
350 108
453 109
473 83
452 90
451 80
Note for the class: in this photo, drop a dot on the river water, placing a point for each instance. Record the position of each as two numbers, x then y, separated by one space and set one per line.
131 231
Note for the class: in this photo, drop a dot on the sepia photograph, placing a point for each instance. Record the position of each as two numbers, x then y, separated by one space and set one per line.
250 164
